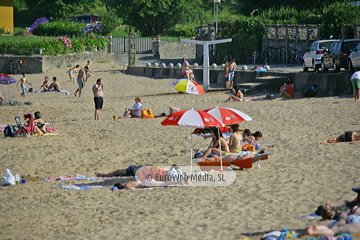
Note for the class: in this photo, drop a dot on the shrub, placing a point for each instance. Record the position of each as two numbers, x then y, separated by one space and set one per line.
109 22
2 30
185 31
23 33
59 29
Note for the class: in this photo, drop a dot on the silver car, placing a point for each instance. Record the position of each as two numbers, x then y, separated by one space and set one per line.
312 59
354 59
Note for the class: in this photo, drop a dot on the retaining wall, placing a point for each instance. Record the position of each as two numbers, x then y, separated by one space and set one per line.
41 63
329 84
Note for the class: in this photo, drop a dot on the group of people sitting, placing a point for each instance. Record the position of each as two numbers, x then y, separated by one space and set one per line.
47 86
240 145
346 216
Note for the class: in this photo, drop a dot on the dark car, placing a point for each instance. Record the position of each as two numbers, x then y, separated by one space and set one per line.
88 18
336 56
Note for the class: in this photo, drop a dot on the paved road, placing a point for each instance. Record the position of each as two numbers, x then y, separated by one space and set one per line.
143 59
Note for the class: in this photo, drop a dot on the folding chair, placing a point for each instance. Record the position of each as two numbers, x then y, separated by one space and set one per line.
27 130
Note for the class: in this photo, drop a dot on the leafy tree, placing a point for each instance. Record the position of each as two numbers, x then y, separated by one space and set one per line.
109 21
154 17
338 14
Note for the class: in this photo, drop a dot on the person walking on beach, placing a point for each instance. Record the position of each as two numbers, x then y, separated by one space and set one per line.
232 67
87 71
81 80
98 97
355 82
71 73
22 83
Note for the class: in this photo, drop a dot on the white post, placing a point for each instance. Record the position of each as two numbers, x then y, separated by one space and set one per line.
206 80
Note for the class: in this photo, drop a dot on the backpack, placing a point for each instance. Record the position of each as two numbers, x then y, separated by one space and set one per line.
9 131
311 92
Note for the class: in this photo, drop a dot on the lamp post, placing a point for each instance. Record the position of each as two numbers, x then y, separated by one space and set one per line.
216 14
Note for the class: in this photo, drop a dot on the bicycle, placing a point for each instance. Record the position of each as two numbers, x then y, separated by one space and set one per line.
10 68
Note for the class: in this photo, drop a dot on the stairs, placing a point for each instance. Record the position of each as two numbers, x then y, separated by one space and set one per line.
267 84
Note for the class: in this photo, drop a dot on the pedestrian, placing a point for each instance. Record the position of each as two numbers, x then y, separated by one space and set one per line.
355 82
232 67
81 80
22 83
226 75
87 71
98 97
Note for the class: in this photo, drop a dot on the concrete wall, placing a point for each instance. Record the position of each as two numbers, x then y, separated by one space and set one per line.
329 84
7 15
39 63
169 50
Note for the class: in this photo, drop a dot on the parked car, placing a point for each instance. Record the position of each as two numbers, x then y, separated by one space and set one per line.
312 58
354 59
337 55
88 18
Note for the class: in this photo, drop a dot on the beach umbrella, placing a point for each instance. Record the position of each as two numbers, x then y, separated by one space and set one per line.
6 80
37 22
187 86
191 118
227 116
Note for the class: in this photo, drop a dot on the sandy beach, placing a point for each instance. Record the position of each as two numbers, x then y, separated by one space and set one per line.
299 176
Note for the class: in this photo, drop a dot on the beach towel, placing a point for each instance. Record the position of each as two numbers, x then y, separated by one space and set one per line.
311 215
65 91
79 186
268 97
77 177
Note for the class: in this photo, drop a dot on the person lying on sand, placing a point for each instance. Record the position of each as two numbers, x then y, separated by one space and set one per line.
131 185
127 172
349 224
345 137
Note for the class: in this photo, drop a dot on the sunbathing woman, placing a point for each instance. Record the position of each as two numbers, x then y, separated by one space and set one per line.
135 110
215 144
39 122
235 138
238 95
45 85
252 138
345 137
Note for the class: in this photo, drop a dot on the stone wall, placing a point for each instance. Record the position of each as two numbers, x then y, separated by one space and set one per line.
329 84
41 63
168 50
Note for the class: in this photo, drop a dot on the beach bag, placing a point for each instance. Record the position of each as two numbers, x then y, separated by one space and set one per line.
8 178
9 131
147 113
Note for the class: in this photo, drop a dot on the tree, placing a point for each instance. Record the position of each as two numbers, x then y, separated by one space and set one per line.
154 17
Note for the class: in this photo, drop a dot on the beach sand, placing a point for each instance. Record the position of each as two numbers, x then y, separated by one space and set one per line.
299 176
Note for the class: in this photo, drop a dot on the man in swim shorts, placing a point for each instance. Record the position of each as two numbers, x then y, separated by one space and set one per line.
355 82
81 80
98 97
231 73
128 172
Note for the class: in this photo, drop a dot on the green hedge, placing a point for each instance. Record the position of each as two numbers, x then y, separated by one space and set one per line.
59 29
51 45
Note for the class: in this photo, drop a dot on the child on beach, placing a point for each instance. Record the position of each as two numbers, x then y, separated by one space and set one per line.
71 75
22 83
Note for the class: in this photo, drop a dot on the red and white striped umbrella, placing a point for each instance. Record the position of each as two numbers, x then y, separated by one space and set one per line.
192 118
228 116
